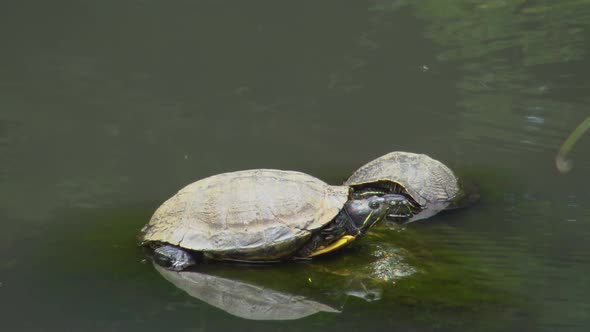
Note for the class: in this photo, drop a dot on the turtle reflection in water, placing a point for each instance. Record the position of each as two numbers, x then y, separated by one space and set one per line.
243 299
260 215
419 185
255 294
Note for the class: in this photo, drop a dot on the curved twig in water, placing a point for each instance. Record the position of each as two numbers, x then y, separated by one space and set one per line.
563 164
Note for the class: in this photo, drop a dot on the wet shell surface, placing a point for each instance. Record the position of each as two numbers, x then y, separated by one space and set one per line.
428 181
257 214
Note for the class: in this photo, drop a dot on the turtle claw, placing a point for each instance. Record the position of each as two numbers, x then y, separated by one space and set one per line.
327 231
173 258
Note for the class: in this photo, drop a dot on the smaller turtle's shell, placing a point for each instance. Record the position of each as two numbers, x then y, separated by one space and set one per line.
428 181
252 215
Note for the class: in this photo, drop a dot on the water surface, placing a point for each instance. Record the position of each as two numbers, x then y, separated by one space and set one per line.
107 108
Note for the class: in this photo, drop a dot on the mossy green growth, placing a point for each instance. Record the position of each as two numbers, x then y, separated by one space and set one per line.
428 274
452 287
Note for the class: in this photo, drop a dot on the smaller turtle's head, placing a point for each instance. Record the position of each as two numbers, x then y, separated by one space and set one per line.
366 211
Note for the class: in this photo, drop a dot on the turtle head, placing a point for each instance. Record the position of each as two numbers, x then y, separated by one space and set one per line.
368 210
401 208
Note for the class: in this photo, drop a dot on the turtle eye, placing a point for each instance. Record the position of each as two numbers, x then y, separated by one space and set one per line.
374 204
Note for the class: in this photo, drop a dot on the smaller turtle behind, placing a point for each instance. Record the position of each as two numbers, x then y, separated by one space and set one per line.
419 186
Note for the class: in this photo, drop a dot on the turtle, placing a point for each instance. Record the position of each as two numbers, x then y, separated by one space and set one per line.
261 215
419 185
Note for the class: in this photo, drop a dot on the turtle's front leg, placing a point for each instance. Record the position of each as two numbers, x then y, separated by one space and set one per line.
173 258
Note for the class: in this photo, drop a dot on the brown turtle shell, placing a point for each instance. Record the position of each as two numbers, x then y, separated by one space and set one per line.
260 214
428 181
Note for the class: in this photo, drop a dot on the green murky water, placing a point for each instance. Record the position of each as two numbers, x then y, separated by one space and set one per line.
107 108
